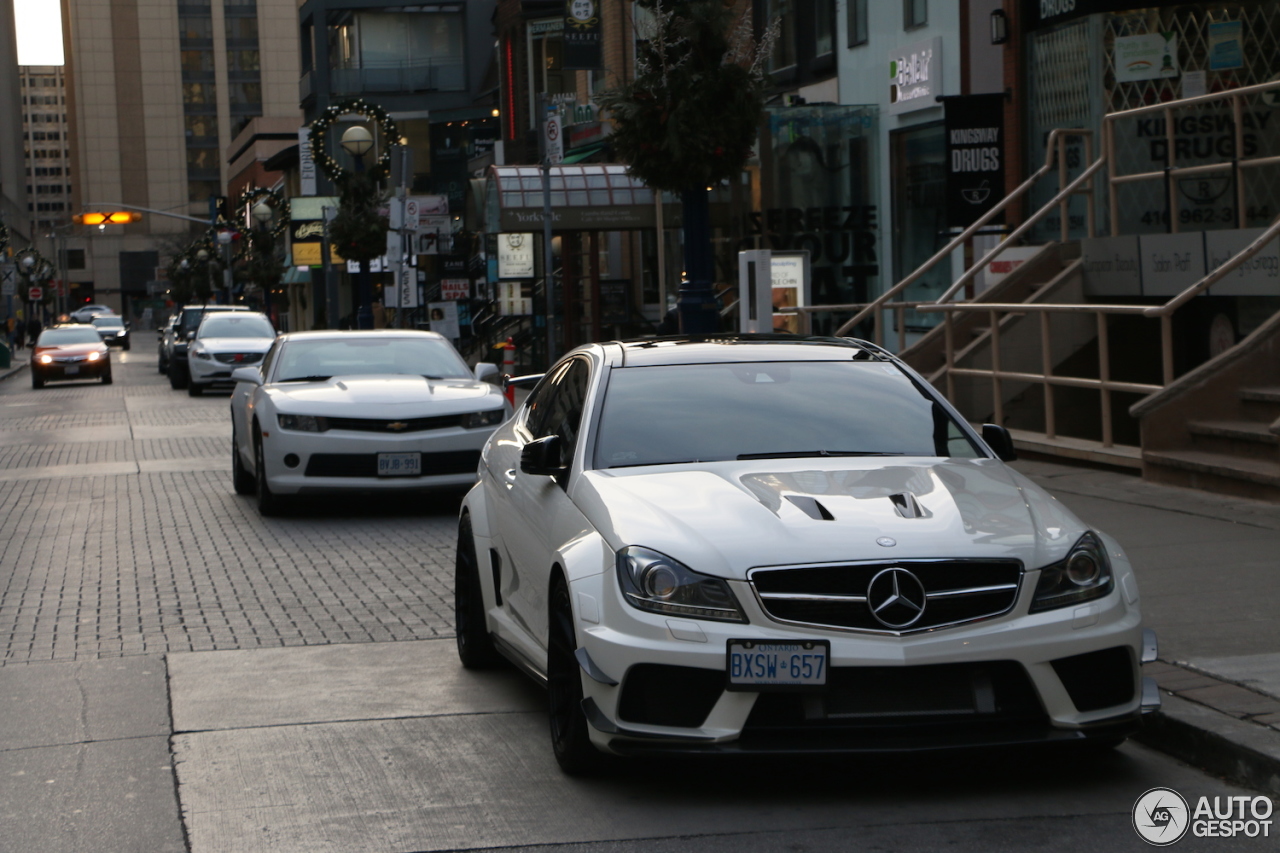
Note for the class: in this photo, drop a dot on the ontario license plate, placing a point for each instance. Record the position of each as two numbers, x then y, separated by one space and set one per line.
778 666
70 369
399 464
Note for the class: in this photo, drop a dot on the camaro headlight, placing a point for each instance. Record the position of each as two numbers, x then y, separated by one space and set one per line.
1084 575
201 354
94 356
303 423
655 582
493 417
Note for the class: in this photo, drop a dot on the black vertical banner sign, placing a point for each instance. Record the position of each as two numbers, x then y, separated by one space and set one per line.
975 157
583 36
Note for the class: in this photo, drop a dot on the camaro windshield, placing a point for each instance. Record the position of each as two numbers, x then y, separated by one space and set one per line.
769 410
236 327
59 337
321 359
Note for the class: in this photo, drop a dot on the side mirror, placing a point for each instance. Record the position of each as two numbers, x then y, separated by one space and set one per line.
251 375
485 369
542 457
999 440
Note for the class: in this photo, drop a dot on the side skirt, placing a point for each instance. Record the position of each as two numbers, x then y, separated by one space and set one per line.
518 660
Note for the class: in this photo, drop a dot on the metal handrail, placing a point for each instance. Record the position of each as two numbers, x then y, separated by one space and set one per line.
1051 152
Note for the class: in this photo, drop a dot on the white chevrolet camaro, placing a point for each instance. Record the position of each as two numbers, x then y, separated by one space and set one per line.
359 411
777 544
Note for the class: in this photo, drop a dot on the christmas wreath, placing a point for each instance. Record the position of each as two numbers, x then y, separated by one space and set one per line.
320 129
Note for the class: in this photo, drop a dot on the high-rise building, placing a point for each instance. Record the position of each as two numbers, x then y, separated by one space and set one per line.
13 195
157 90
45 146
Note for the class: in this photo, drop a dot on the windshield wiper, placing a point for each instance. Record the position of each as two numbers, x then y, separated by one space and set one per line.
800 454
305 379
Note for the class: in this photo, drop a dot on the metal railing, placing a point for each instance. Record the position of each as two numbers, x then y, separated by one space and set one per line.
1081 184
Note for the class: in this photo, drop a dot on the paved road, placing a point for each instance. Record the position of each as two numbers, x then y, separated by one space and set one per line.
179 674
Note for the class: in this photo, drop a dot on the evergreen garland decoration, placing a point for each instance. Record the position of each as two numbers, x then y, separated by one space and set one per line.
275 199
320 129
4 236
39 275
358 232
690 116
191 283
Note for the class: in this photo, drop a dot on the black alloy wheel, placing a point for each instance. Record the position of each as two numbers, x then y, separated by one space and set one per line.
37 381
269 503
240 476
570 741
106 376
475 647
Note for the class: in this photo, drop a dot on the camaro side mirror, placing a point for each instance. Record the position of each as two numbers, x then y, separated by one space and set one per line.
485 369
247 374
542 457
999 440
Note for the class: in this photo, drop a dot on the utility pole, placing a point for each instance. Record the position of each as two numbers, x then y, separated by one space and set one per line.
326 258
547 264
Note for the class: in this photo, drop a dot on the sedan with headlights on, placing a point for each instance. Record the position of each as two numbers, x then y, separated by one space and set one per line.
113 330
69 352
226 340
360 411
775 544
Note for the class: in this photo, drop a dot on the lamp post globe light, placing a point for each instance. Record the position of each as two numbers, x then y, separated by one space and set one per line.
357 141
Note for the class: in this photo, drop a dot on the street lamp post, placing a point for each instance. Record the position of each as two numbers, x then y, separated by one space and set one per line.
261 213
357 141
203 256
224 240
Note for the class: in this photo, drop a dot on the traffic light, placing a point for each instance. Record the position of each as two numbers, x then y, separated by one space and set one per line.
113 217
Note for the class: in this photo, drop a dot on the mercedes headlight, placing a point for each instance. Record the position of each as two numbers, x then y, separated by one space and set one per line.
1084 575
303 423
655 582
493 417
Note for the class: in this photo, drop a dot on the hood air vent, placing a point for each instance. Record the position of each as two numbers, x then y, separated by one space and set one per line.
906 505
810 507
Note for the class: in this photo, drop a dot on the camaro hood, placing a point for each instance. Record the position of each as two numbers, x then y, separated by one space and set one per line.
236 344
350 396
727 517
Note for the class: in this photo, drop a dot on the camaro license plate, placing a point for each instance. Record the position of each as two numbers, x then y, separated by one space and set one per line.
399 464
70 369
778 666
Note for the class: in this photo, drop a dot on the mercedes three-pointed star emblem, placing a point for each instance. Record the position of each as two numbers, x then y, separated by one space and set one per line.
896 598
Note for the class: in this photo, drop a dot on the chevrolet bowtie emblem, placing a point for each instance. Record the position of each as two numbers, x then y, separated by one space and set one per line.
396 426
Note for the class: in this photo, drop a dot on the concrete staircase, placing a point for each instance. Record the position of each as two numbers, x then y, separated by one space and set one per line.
1237 451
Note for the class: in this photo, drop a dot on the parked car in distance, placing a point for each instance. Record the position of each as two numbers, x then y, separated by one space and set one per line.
775 544
226 340
360 411
85 313
189 318
113 330
69 352
163 336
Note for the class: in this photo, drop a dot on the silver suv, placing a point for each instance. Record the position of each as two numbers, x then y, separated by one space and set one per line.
175 343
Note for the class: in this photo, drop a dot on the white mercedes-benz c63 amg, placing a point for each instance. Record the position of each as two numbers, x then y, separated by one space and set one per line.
775 544
359 411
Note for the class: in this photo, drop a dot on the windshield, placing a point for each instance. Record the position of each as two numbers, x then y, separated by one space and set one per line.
59 337
770 410
322 359
233 326
108 321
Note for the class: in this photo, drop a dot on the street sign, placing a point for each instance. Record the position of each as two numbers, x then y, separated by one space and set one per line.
8 280
35 294
555 140
411 214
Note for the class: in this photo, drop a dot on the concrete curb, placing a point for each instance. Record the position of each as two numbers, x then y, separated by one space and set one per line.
6 372
1242 752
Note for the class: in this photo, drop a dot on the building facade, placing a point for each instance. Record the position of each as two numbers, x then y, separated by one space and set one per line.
157 90
13 184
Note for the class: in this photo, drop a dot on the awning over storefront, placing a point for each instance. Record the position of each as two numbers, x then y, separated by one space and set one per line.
595 197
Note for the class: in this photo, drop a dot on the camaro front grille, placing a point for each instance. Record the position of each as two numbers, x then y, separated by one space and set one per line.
238 357
395 427
366 464
889 597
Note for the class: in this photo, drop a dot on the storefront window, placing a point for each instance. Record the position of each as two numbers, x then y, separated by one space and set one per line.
546 67
918 184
